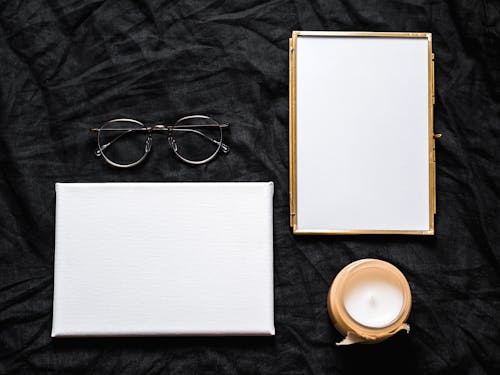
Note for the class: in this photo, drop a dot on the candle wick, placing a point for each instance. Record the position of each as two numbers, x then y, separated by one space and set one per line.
372 301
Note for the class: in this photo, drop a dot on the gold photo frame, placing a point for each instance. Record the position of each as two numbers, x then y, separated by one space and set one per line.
294 214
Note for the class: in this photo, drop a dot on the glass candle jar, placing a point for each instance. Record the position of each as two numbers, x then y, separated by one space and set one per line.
369 301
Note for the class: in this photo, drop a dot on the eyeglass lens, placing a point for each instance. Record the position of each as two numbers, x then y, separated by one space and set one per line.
197 143
123 147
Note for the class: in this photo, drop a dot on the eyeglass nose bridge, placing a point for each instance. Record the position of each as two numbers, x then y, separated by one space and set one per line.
160 127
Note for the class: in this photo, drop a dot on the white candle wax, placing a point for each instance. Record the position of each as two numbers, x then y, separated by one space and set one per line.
373 298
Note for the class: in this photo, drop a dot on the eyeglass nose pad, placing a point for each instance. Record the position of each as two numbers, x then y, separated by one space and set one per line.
149 142
172 143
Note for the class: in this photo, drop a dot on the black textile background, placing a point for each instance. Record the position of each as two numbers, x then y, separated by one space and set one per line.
68 65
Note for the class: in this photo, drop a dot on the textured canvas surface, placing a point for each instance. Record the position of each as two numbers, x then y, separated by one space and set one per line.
153 259
68 66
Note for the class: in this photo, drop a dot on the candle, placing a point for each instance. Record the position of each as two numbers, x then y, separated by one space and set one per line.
373 298
369 301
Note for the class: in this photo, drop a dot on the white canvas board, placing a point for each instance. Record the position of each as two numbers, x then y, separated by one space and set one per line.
362 146
137 259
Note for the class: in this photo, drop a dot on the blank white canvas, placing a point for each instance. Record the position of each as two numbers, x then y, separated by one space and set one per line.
362 133
136 259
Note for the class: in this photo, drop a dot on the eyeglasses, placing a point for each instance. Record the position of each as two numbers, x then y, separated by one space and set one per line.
125 143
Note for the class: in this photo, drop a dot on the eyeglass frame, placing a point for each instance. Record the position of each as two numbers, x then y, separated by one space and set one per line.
221 146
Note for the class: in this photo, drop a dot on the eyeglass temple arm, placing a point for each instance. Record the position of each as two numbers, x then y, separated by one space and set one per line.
161 127
223 125
100 149
223 146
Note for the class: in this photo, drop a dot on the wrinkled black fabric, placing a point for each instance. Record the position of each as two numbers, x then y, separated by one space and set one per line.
66 66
